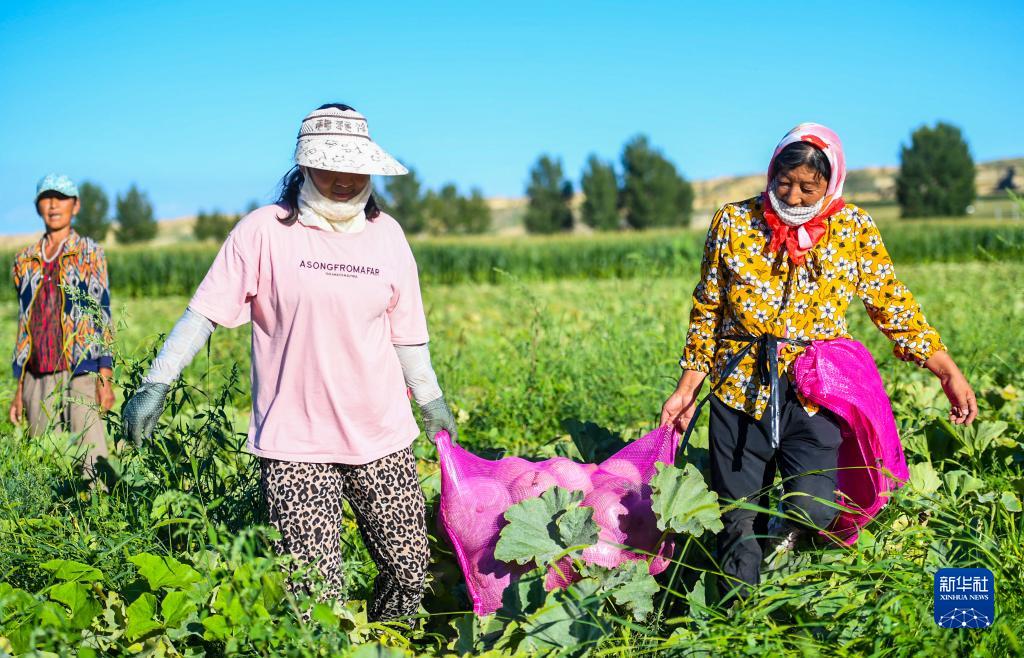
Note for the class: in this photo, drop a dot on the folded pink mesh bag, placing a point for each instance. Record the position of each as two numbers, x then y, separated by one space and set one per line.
475 493
840 375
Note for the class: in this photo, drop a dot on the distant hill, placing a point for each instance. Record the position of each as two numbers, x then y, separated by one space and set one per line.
867 185
870 185
169 231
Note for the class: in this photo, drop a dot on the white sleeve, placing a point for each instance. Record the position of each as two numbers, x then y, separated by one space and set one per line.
189 335
419 374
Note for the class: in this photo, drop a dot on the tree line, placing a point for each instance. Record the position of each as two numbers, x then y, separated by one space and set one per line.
134 222
133 214
445 210
936 178
649 192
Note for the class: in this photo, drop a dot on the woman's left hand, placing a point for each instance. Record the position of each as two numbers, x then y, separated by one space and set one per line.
964 406
436 417
105 390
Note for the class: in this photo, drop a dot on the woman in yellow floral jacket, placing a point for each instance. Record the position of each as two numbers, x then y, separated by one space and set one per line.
780 270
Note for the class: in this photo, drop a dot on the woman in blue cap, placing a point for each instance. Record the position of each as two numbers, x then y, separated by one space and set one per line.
62 355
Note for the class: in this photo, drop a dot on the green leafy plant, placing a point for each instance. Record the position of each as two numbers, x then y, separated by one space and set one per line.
534 366
682 501
542 529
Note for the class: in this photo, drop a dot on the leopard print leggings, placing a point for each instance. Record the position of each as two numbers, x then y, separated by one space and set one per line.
304 504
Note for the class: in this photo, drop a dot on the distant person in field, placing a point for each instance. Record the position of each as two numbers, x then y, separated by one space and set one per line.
784 266
1006 183
339 333
62 353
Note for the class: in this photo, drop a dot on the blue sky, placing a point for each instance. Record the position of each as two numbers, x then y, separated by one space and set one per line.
199 102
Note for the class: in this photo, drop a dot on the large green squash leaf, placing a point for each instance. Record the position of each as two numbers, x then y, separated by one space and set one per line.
71 571
540 529
142 617
682 502
79 599
638 590
164 571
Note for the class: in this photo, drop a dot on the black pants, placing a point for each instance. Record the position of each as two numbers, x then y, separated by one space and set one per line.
743 466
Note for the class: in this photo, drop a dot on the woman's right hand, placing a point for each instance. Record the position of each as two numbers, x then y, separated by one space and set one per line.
143 410
679 407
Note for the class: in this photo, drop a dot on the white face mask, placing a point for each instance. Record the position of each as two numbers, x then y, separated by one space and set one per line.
321 212
793 215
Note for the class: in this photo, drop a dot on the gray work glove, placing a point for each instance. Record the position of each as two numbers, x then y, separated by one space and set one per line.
436 417
143 410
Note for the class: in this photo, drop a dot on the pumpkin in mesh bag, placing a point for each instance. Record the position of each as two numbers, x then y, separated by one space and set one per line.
476 492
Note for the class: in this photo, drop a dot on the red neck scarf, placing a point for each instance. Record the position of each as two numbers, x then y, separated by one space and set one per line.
783 234
827 142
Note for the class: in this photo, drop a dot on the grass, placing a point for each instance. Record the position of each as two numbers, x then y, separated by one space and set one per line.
486 340
517 361
177 270
985 208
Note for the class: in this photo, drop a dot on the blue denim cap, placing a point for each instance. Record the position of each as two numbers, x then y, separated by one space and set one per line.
56 183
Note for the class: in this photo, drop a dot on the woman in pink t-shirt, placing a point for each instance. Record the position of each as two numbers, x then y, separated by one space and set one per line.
338 337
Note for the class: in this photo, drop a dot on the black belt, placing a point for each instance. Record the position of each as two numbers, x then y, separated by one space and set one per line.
767 368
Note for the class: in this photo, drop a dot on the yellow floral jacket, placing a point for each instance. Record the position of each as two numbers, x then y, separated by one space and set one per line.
746 290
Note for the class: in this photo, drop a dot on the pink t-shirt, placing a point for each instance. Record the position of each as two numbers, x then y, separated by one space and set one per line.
326 309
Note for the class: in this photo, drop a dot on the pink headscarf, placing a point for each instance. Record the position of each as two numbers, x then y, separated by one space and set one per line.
828 142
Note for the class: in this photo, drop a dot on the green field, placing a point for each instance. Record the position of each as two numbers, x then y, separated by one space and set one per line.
178 269
984 208
524 363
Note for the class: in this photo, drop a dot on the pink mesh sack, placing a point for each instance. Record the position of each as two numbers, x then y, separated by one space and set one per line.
840 375
475 493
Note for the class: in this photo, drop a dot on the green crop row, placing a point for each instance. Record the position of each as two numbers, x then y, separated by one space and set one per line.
177 270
